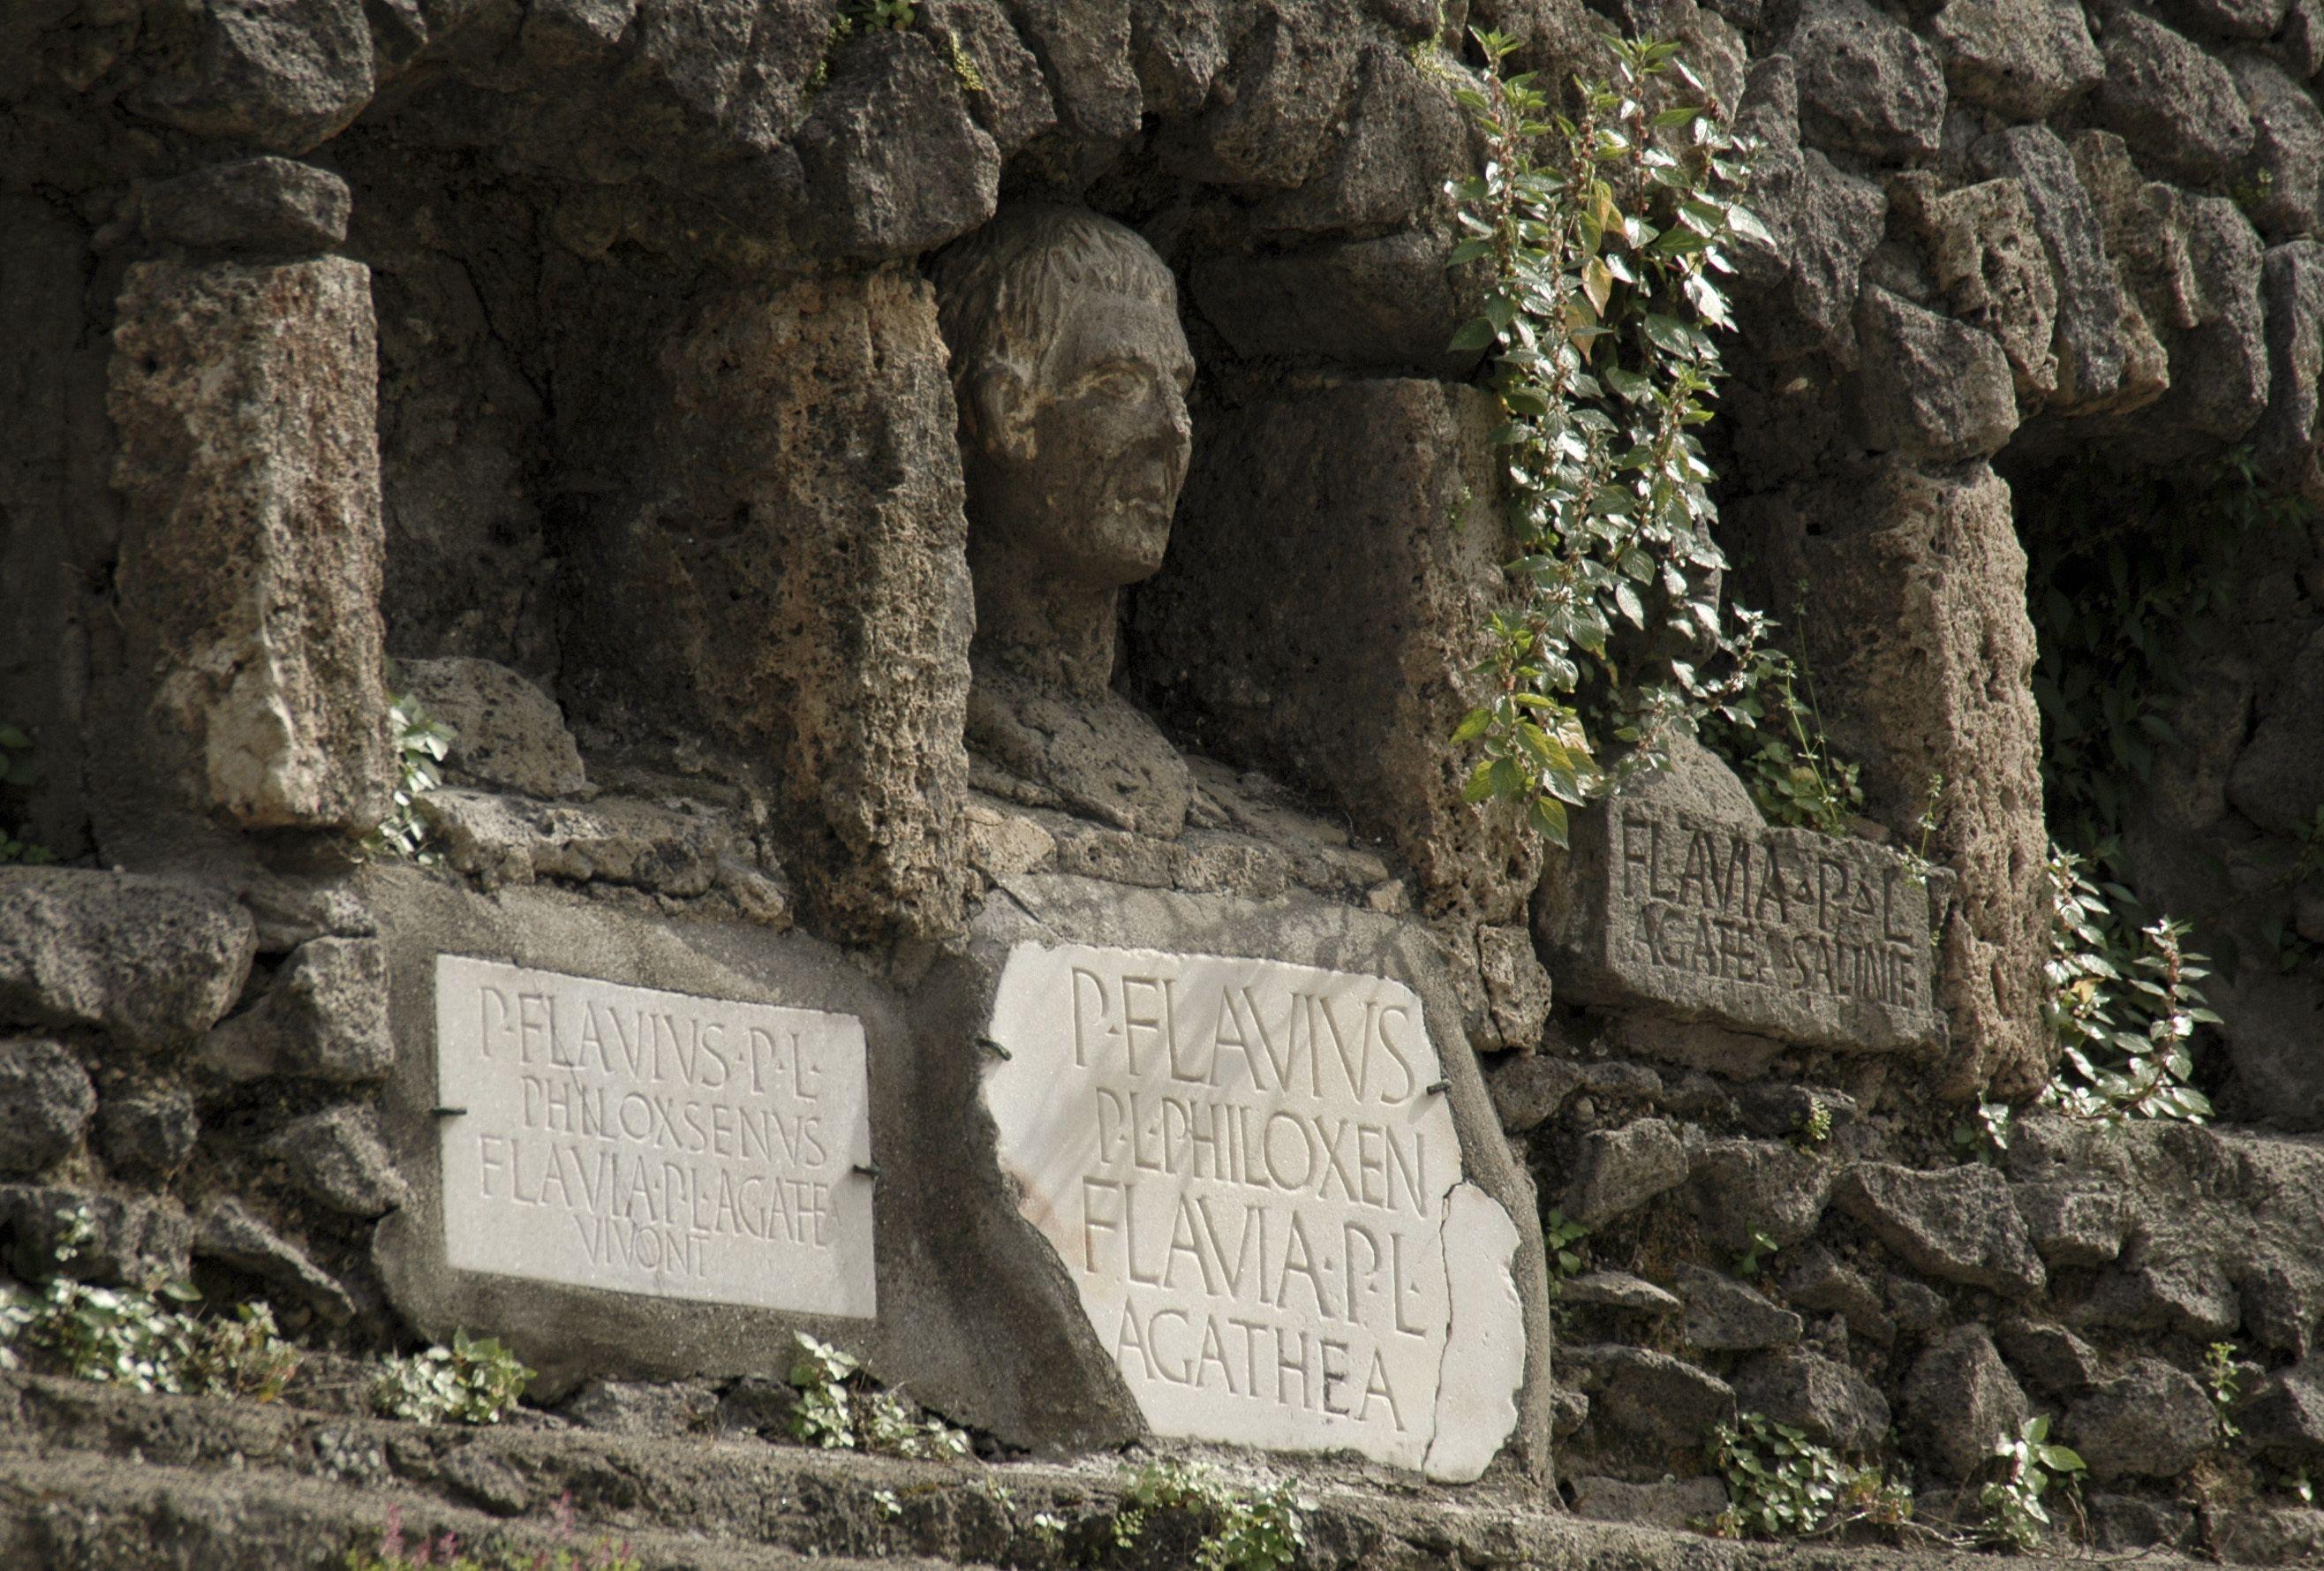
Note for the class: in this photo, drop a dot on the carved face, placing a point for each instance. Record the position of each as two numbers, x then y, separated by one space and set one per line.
1081 465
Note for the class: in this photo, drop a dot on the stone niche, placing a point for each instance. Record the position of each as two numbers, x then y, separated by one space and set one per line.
1235 1161
1695 912
636 1149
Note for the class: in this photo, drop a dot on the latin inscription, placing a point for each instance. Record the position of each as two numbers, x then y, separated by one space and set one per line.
1771 930
653 1142
1246 1167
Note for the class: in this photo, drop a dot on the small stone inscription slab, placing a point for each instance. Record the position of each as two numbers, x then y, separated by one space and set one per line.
653 1142
1779 932
1252 1176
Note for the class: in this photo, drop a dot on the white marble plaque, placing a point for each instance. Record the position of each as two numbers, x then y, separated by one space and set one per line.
653 1142
1250 1171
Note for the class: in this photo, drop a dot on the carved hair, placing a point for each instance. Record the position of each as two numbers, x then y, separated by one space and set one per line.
1002 292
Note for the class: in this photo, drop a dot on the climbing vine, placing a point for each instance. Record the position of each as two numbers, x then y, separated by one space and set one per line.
1601 233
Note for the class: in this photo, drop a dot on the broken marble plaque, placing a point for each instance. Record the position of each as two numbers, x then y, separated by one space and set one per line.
625 1138
1251 1172
1784 933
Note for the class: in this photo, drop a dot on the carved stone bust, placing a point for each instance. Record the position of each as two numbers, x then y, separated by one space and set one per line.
1071 373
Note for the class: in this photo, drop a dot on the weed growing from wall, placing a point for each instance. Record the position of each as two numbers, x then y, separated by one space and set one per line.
1601 234
1781 1485
1776 741
839 1407
421 743
141 1337
2124 1006
1258 1531
2030 1467
475 1381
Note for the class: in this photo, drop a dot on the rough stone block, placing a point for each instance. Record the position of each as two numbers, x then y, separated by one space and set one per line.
1648 1402
2152 1421
503 840
1780 932
324 1018
1725 1314
2021 59
1833 1403
281 74
2074 1224
2090 356
1958 1400
1741 1189
1528 1089
45 1104
148 1133
1014 107
2290 434
1517 989
336 1157
893 162
1277 108
1867 84
1957 1224
2288 147
1924 655
245 396
1985 252
153 961
789 575
1929 387
2190 267
229 1233
2176 105
1345 666
252 204
506 732
1823 224
1617 1170
2051 1357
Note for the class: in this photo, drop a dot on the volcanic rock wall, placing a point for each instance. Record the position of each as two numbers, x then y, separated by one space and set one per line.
582 360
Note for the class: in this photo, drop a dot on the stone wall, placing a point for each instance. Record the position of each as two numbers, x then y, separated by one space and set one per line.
581 365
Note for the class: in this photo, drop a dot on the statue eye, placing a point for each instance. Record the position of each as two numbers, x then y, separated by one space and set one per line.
1115 380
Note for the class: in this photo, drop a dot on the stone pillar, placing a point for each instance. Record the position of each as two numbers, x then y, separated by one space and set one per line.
1330 570
788 575
246 399
1915 628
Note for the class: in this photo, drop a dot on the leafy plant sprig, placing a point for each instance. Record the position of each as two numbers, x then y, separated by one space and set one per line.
839 1409
2224 1376
475 1381
1781 1485
1565 1238
1775 739
1601 234
2124 1009
2031 1466
1262 1530
421 743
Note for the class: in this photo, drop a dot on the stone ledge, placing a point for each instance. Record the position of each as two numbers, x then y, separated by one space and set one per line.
224 1482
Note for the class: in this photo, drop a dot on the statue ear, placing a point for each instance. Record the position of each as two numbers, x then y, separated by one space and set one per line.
1000 414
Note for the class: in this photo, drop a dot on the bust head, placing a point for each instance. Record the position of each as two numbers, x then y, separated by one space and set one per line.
1071 373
